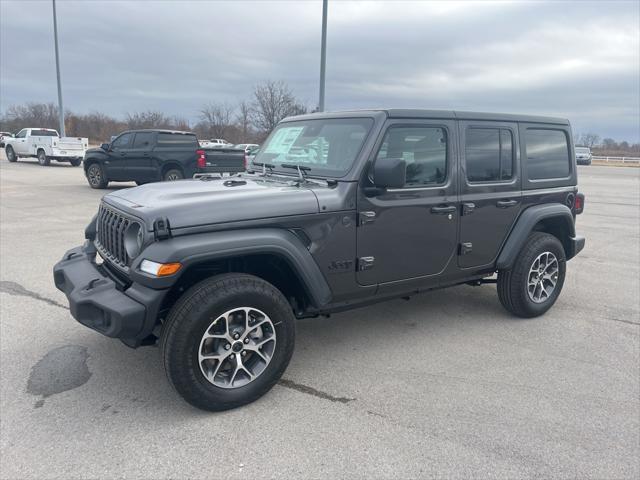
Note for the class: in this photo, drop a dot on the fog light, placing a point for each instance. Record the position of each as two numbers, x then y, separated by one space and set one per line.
159 269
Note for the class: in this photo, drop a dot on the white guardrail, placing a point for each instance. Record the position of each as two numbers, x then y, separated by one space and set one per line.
617 159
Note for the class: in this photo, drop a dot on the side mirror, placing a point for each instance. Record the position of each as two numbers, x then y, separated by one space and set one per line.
390 173
105 147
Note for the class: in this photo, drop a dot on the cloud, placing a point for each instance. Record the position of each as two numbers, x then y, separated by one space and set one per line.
573 59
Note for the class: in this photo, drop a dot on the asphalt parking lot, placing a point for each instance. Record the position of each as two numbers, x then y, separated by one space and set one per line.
445 385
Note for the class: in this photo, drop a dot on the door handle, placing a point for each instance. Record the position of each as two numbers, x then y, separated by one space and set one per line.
122 154
506 203
443 210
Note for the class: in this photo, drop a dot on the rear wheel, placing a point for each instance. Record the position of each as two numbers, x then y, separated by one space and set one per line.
173 175
96 176
227 341
75 162
534 283
43 159
11 155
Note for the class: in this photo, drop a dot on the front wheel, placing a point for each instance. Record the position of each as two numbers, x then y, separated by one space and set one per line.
11 155
534 283
43 159
96 176
227 341
173 175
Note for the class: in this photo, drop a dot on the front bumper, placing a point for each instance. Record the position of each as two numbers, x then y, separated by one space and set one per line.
98 302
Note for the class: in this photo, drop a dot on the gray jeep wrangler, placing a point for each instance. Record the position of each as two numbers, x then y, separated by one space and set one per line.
339 210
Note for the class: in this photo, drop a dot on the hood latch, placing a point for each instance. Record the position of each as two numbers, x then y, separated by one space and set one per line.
161 228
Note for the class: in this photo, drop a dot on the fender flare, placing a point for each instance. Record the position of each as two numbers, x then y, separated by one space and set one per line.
193 249
524 226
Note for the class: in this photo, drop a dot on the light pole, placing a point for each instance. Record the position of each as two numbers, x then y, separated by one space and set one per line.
55 38
323 55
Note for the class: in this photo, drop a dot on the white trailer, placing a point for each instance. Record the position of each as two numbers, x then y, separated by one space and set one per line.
45 144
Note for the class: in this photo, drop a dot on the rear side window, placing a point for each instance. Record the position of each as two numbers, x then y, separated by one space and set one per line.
547 154
143 140
424 149
177 140
489 154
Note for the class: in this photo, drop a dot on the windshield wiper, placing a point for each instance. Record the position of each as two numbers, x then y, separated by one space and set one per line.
300 168
264 167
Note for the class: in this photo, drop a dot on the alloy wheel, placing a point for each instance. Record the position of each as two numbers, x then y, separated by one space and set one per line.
237 347
543 277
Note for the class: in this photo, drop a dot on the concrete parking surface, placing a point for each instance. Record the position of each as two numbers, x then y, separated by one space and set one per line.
446 384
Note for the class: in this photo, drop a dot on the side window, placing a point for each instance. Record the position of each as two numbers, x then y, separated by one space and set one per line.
21 134
547 153
123 141
489 154
424 149
143 140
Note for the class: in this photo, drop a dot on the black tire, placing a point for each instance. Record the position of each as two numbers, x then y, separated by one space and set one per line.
172 175
43 159
141 183
75 162
11 155
513 284
192 316
96 176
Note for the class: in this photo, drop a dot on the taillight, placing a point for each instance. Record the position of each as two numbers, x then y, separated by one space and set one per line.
579 205
202 158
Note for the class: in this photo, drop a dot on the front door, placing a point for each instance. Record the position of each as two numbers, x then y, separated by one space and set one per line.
490 192
20 145
139 158
411 232
118 157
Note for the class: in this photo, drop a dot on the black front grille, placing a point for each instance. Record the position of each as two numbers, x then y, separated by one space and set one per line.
110 236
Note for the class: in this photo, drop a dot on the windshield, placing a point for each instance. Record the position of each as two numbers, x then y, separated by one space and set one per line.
327 146
582 150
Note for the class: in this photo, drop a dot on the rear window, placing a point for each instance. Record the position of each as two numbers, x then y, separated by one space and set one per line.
547 154
44 133
177 140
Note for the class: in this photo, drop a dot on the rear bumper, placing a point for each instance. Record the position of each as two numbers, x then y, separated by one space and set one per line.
576 244
98 302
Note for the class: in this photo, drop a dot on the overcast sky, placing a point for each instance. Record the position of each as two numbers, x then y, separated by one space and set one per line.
579 60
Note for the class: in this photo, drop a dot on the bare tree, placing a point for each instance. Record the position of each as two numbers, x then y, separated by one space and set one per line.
216 118
273 101
244 121
589 139
148 119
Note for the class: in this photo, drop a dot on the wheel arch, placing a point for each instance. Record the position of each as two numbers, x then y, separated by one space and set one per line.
169 165
275 255
555 219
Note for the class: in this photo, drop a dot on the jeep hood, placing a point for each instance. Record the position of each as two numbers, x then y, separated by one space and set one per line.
188 203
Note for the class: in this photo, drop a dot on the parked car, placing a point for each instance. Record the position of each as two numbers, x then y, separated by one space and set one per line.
147 156
4 135
390 203
220 160
583 155
45 144
249 150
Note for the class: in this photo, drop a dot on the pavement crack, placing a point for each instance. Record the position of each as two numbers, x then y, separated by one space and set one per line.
13 288
623 321
312 391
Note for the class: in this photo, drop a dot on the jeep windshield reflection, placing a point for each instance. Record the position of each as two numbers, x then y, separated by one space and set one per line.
327 147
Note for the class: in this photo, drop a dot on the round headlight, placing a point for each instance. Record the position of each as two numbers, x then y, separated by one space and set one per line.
133 239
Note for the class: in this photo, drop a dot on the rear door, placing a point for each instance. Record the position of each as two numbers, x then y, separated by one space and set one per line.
490 189
116 164
138 164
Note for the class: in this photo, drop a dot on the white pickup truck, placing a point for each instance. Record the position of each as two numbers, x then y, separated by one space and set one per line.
45 144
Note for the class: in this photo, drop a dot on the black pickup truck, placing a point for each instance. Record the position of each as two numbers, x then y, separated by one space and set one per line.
146 156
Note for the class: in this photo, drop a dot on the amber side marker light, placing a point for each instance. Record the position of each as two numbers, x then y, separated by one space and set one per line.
159 269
